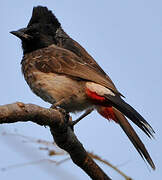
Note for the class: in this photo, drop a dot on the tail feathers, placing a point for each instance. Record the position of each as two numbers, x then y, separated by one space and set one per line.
44 16
131 113
133 136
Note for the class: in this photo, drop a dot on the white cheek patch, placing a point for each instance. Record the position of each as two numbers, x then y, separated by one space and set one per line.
97 88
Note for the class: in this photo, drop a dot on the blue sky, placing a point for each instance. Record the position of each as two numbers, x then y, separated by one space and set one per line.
125 39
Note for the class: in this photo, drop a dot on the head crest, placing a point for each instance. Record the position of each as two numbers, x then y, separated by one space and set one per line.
43 16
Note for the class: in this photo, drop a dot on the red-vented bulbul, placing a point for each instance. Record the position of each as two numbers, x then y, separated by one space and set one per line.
61 72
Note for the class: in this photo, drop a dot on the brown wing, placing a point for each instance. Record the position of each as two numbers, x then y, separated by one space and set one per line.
62 61
64 41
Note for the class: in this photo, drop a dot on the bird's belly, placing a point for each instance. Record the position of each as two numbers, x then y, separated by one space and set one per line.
54 88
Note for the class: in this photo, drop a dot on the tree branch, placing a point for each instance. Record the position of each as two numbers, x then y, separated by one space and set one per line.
60 130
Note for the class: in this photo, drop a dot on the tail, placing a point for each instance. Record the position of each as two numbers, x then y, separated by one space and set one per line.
117 116
131 113
112 106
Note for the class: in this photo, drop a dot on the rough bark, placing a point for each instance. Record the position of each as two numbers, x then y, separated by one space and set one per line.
60 129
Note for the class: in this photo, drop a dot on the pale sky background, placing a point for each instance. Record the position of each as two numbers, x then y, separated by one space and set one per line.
125 37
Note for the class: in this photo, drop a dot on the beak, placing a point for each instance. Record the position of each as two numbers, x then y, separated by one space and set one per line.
21 33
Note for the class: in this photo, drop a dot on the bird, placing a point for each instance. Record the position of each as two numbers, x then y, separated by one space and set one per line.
60 71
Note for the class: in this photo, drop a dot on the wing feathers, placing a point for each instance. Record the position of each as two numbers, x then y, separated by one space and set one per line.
71 64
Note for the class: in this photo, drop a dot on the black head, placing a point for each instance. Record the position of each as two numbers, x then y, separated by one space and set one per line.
40 31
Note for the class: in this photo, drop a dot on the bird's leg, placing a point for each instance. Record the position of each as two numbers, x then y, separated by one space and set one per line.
57 104
87 112
63 101
63 111
72 123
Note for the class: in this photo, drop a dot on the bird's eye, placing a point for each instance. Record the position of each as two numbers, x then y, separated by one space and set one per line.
47 26
37 33
32 31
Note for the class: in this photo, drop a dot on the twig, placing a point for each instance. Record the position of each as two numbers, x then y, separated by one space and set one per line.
110 165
